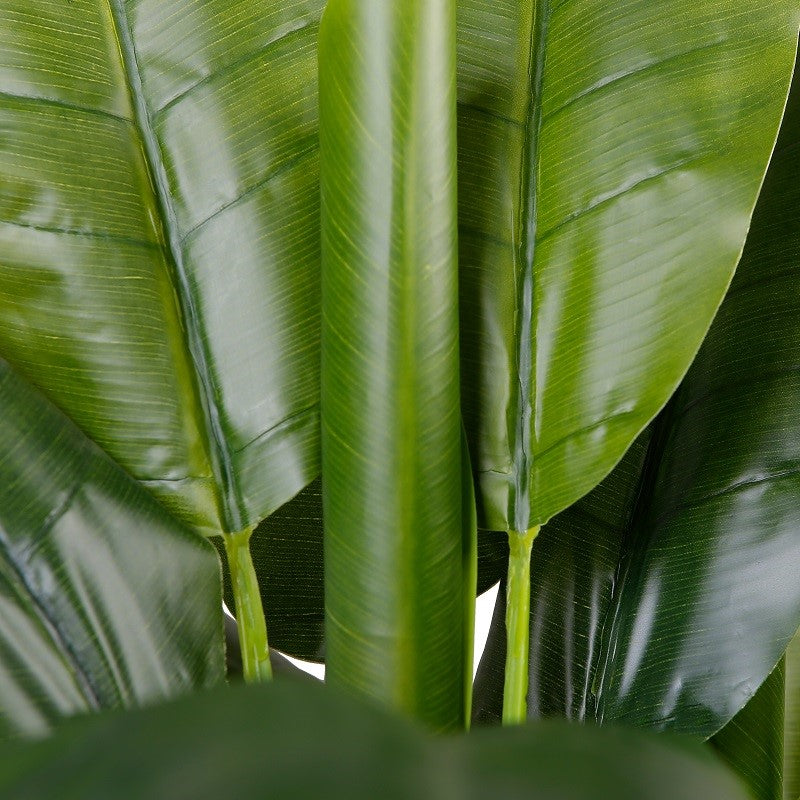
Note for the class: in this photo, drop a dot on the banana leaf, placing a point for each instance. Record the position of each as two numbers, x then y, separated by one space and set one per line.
666 597
159 253
610 155
287 551
159 239
396 561
752 742
791 766
105 600
321 744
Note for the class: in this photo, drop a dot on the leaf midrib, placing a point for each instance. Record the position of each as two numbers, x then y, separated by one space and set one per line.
220 452
520 516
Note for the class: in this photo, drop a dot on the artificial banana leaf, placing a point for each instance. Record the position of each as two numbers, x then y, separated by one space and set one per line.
321 744
287 551
752 742
159 258
791 764
391 420
666 596
610 155
105 600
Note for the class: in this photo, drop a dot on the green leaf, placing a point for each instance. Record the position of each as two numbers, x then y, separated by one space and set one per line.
159 238
752 742
323 745
610 155
287 551
105 600
666 596
791 766
391 421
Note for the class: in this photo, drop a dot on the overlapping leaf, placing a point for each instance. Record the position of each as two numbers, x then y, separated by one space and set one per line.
668 595
287 552
752 742
324 745
159 238
791 764
105 600
610 155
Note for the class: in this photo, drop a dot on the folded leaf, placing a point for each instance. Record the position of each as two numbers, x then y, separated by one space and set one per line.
105 600
320 744
391 419
610 155
666 596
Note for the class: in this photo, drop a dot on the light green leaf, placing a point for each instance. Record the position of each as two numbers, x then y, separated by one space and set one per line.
391 421
320 744
105 600
610 155
159 259
666 596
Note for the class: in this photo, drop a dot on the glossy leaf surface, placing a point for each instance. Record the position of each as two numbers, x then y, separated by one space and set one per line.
105 600
324 745
391 420
159 238
752 742
666 596
605 151
287 550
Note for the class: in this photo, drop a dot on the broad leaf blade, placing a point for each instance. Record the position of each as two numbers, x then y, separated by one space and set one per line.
323 745
159 238
752 742
105 600
606 150
391 431
672 614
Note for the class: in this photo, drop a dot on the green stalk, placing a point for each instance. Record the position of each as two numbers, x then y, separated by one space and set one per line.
518 596
249 611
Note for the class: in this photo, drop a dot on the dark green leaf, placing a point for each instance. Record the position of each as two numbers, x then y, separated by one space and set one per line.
791 766
671 612
105 600
752 742
391 419
297 741
610 155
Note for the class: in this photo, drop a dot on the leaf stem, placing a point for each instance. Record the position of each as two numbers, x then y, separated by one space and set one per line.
518 597
249 610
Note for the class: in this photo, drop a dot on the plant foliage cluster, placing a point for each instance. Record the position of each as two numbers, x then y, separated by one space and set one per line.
388 301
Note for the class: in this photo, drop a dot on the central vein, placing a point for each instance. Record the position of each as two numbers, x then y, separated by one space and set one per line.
525 332
220 455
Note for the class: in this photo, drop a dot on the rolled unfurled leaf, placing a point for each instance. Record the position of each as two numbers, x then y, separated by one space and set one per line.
390 366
